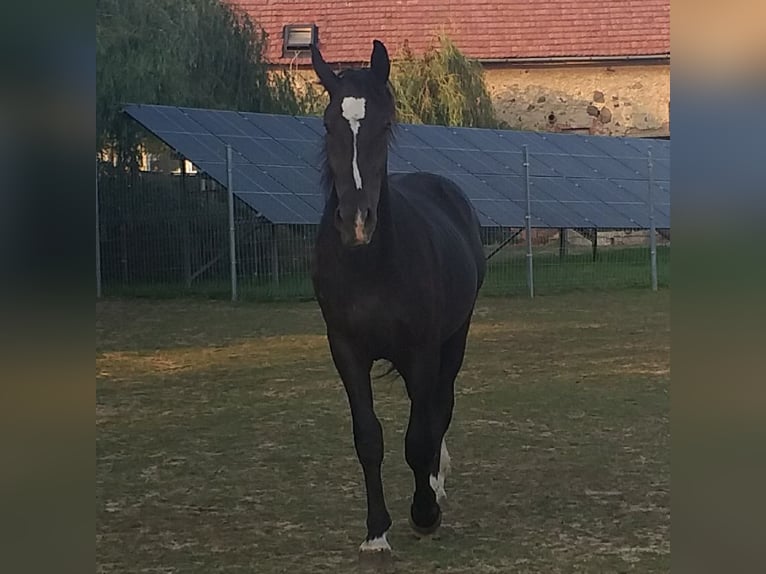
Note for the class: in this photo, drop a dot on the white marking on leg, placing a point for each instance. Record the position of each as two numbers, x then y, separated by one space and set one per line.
353 110
438 482
379 544
445 463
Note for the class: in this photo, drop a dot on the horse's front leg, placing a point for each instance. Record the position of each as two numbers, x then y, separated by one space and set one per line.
354 369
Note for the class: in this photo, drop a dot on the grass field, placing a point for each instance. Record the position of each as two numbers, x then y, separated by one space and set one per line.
224 441
613 268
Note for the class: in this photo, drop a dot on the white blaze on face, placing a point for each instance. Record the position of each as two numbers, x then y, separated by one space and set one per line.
353 110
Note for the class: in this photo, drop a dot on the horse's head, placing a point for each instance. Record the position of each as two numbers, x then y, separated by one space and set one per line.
357 120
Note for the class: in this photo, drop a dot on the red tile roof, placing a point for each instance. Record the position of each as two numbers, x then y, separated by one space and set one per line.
483 29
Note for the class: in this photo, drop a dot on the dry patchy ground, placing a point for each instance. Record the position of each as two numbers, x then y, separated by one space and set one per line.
224 441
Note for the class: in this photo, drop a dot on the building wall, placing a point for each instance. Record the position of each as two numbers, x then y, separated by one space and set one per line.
610 100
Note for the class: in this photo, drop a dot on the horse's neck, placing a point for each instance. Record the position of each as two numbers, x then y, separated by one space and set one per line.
384 205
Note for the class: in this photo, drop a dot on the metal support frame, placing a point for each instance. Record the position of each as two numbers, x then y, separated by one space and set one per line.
98 242
505 242
528 226
595 243
562 242
232 229
274 257
652 230
185 235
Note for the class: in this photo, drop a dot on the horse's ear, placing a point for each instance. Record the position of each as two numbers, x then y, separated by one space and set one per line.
379 62
328 78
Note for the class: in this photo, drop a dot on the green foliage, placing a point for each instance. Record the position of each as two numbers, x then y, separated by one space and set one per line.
181 52
442 87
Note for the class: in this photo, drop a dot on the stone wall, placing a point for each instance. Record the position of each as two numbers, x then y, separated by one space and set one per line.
628 99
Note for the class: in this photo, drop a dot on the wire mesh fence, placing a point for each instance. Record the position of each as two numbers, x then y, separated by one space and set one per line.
570 260
166 234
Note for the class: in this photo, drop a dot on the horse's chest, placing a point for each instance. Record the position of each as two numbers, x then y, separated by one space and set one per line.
366 317
363 313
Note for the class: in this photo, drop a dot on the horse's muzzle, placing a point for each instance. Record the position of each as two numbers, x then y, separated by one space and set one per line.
357 232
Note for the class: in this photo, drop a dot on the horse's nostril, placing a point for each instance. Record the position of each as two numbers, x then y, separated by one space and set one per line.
338 218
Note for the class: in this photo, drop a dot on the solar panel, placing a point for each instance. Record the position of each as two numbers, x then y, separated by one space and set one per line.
404 137
221 123
314 123
281 127
510 160
165 119
485 140
637 166
423 159
397 164
547 194
476 188
260 151
613 147
253 178
216 170
201 147
314 200
511 187
578 197
270 207
517 139
556 214
437 137
299 206
576 181
641 146
294 179
564 165
605 167
609 199
571 144
474 161
501 212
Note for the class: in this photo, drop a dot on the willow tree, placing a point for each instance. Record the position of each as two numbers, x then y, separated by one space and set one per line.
199 53
442 87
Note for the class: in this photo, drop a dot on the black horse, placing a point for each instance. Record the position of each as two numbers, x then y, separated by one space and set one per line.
397 267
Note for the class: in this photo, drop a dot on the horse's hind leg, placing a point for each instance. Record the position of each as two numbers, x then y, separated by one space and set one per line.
420 446
443 403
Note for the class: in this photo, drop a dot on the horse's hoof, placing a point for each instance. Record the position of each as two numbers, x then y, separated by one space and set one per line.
424 531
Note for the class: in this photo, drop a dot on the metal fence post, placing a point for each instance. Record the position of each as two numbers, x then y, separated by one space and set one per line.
652 230
528 224
185 235
232 234
274 257
98 242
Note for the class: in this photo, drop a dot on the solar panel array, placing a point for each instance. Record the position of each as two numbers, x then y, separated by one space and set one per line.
575 181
